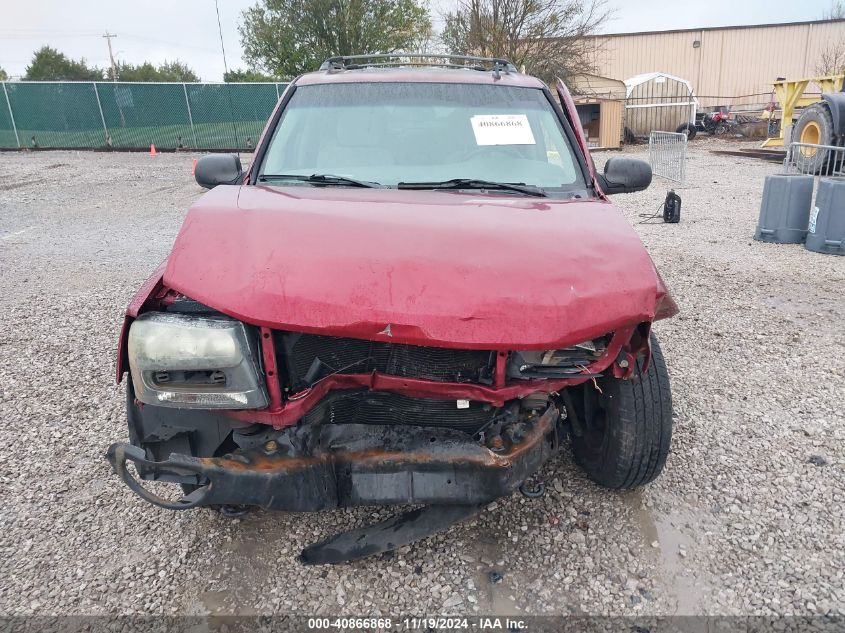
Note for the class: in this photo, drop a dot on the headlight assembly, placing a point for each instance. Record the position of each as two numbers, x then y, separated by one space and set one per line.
193 362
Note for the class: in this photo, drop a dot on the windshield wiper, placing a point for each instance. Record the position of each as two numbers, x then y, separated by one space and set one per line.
474 183
321 179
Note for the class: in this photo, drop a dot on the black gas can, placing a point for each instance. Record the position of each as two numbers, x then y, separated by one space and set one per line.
672 208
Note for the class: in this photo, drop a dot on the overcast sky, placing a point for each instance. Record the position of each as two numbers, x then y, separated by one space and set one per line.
159 30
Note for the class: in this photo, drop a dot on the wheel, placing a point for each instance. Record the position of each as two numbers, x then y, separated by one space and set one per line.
815 126
721 129
621 435
688 129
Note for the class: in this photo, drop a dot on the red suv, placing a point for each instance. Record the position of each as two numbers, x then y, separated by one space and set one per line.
417 293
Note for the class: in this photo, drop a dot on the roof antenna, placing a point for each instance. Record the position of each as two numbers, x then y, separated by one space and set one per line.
228 88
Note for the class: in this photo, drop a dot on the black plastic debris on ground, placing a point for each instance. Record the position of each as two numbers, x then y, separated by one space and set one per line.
817 460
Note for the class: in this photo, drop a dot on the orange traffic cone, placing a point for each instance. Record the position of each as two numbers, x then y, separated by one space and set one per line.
153 151
194 167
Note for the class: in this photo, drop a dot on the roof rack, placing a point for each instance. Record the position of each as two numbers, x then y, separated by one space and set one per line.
382 60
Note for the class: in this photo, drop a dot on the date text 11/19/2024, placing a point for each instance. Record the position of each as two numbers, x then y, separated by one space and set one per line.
423 623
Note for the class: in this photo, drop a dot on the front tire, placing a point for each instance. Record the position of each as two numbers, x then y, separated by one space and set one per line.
625 431
815 126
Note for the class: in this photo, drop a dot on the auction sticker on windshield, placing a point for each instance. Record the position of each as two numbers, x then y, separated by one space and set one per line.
502 129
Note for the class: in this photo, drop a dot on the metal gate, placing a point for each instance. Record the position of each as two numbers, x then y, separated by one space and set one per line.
815 160
667 153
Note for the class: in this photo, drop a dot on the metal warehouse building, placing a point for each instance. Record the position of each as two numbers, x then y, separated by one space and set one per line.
726 65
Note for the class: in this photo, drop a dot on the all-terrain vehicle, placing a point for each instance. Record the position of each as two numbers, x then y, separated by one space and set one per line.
716 123
417 293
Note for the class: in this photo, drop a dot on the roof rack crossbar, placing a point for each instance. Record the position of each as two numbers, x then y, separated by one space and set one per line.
355 62
388 64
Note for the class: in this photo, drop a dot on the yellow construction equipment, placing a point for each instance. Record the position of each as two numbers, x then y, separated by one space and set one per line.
790 95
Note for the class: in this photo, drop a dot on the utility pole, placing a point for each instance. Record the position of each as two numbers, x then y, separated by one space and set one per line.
108 37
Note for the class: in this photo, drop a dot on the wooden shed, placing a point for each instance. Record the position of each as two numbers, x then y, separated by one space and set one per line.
599 101
658 101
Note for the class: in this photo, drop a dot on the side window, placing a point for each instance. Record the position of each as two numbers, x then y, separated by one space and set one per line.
554 151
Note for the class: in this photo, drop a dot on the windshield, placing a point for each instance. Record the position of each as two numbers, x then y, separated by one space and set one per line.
391 133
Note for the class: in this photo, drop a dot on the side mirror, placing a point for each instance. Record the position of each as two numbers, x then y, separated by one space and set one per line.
218 169
623 175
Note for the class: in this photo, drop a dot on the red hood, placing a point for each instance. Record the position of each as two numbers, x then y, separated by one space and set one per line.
441 268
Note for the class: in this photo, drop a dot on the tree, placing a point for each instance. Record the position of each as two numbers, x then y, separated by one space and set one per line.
3 75
168 71
832 60
48 64
246 75
832 57
288 37
547 37
836 11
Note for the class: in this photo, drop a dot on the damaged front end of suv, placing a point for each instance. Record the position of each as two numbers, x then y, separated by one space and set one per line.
321 342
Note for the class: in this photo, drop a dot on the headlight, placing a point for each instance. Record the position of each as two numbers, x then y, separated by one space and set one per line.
556 363
192 362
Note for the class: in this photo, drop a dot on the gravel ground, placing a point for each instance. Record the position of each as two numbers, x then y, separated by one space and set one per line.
746 519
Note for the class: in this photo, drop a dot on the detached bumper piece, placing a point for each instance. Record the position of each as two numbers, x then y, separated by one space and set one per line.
352 464
385 536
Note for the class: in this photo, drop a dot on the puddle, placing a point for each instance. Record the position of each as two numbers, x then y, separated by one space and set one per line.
673 534
237 570
216 602
791 304
494 598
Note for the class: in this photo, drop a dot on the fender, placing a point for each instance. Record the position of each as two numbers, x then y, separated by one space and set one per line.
836 102
151 288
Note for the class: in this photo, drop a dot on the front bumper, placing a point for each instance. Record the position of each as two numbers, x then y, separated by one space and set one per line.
340 465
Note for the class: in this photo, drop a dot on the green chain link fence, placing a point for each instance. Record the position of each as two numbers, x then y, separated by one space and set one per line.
100 115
